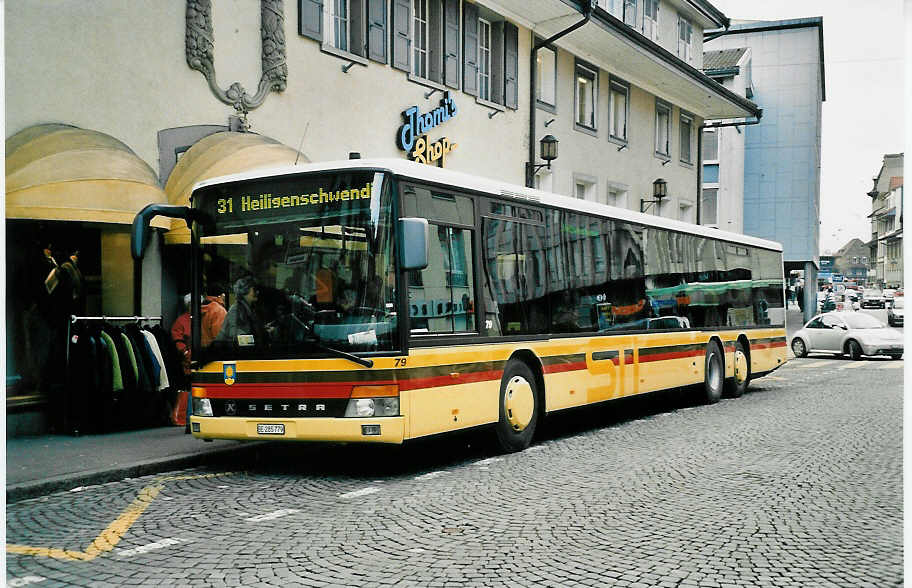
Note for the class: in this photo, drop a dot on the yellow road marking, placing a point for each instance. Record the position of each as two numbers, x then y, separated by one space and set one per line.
111 536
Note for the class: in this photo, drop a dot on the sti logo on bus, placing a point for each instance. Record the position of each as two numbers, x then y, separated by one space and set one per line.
229 373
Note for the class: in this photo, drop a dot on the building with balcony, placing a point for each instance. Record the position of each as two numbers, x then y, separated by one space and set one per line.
781 160
170 93
887 224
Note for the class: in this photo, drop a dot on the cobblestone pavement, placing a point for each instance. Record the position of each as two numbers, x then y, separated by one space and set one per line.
797 483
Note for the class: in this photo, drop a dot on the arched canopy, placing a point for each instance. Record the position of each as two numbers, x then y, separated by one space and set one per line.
218 155
62 172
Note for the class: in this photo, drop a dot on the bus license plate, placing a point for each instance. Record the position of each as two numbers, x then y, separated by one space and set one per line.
270 429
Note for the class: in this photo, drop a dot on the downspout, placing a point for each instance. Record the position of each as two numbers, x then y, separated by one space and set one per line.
533 63
700 155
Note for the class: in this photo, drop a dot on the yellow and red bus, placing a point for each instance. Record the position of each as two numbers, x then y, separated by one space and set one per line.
384 300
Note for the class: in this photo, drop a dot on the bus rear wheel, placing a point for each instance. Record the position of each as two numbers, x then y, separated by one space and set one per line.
737 385
520 407
713 374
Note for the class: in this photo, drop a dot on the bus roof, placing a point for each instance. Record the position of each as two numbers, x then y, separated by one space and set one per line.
421 171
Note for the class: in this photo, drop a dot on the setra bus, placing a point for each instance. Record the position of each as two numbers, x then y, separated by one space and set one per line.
385 300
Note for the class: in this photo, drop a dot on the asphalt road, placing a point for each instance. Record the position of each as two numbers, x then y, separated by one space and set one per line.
797 483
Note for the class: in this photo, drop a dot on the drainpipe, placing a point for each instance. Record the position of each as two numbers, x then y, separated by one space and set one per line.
700 155
533 63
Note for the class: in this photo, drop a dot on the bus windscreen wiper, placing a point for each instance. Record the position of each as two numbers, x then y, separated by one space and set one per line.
337 352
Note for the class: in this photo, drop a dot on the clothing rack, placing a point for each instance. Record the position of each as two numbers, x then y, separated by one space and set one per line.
74 319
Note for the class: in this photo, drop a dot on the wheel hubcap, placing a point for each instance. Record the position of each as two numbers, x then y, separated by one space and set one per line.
519 403
740 367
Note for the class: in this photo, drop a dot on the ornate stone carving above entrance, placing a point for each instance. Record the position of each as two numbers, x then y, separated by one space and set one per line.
199 47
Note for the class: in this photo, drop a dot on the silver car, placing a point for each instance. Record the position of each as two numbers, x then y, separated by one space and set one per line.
847 333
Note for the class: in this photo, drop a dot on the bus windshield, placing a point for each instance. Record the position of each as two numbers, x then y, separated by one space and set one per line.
305 263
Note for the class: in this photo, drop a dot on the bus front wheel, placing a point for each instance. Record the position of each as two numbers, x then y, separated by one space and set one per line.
520 406
714 374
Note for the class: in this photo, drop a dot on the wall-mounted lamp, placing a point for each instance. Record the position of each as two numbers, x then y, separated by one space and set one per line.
548 152
493 113
622 147
430 93
345 68
549 122
659 192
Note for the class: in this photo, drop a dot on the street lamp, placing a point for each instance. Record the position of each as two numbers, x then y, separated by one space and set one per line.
659 191
548 152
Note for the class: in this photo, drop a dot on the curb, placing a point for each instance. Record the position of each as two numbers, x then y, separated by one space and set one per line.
27 490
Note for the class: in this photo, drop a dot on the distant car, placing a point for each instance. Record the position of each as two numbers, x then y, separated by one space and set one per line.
872 298
847 333
888 295
896 311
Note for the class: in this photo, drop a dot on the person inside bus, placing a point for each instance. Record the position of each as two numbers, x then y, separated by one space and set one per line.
242 325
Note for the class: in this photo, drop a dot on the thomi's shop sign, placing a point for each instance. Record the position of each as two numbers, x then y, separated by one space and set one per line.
412 135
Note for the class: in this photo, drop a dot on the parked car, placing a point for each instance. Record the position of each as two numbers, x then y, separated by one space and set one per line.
872 298
847 333
895 311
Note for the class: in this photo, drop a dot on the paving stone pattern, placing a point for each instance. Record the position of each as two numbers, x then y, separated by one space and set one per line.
798 483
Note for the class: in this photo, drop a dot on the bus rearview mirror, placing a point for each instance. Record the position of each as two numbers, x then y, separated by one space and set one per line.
413 251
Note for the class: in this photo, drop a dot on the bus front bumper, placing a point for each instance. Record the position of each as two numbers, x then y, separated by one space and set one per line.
352 430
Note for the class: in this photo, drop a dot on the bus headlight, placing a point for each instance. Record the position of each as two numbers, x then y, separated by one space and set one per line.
202 407
373 401
372 407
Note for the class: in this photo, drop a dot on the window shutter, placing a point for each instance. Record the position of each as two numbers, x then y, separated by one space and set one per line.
310 19
470 49
357 42
497 62
376 30
435 40
451 43
401 42
511 65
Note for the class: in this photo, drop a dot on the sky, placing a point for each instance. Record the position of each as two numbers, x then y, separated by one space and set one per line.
863 115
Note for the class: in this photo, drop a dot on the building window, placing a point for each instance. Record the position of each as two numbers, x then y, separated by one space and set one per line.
546 78
339 19
619 109
617 196
864 260
709 206
651 19
484 59
663 129
614 7
710 145
586 95
420 38
630 13
686 128
685 39
584 187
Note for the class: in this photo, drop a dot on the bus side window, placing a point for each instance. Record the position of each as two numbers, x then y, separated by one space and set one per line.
442 296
